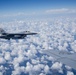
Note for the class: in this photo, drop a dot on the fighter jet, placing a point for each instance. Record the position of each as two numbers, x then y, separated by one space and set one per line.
8 36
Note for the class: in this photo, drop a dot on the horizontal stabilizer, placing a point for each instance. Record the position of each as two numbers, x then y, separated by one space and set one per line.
64 57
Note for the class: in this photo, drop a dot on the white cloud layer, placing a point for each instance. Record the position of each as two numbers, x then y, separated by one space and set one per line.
23 56
59 11
34 15
70 73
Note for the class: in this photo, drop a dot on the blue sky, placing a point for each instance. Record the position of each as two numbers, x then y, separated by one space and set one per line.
35 7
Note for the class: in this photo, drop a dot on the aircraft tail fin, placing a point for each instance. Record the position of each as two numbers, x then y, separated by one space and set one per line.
2 31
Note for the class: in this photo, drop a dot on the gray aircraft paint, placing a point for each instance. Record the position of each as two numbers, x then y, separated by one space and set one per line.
62 56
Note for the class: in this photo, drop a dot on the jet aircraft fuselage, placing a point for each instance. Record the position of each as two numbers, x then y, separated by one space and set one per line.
5 35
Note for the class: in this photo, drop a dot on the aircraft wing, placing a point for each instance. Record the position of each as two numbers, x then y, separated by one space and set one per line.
64 57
